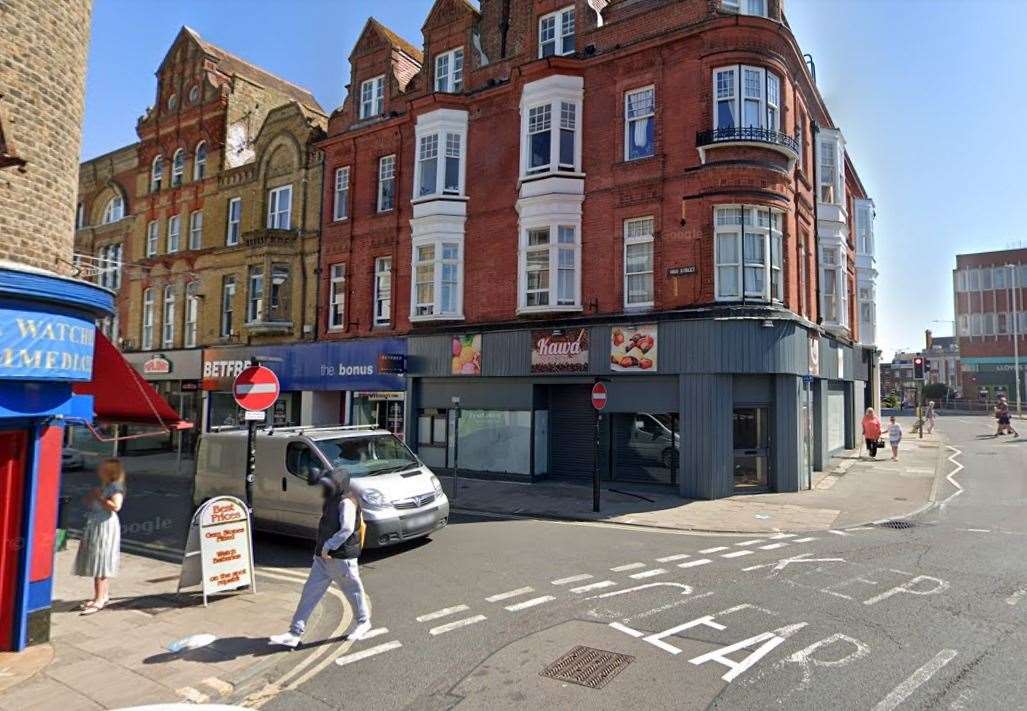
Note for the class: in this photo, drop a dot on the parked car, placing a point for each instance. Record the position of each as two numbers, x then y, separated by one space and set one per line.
400 496
72 459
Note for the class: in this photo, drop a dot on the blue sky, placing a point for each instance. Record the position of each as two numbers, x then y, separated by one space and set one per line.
925 91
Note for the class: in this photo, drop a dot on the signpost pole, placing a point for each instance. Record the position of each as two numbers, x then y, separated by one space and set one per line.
456 447
598 403
251 460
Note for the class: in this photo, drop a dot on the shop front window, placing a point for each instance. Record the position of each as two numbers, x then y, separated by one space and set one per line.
751 447
645 447
497 441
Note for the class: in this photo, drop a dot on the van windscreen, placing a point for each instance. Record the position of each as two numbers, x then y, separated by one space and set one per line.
367 456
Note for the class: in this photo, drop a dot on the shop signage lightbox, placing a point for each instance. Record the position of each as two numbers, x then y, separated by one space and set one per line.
633 348
560 351
466 354
158 364
35 345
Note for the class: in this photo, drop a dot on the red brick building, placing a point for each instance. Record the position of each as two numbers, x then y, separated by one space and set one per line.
665 167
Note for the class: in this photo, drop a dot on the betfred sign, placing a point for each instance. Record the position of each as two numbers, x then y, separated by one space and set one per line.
560 351
256 388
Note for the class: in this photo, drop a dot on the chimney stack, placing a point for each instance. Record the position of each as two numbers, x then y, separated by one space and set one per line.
927 338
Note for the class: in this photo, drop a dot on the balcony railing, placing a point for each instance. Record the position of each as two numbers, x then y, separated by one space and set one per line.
750 134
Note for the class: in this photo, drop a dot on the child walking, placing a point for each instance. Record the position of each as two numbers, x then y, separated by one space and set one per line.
100 550
894 437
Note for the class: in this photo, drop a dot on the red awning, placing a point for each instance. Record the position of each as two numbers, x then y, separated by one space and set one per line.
120 395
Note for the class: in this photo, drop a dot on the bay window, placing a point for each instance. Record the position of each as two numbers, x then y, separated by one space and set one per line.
372 97
337 298
638 262
745 7
255 297
192 314
439 169
152 238
227 305
550 133
340 207
556 33
174 233
147 331
550 267
196 230
829 169
382 291
834 287
168 322
449 71
279 208
639 120
386 183
438 276
746 97
748 253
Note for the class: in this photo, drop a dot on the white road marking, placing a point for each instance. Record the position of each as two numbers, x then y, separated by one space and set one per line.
685 589
693 563
1015 597
594 586
377 631
444 612
804 540
976 530
369 652
529 603
629 566
736 554
772 546
749 543
669 558
508 594
782 535
442 629
959 468
715 549
904 690
919 470
756 567
804 558
860 528
838 533
648 573
940 586
573 579
626 630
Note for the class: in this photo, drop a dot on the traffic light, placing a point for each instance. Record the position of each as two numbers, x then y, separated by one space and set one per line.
918 368
927 366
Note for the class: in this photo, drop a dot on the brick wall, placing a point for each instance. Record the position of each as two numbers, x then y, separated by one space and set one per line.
43 48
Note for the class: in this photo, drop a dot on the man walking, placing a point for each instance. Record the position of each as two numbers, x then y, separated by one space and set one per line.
339 540
1005 425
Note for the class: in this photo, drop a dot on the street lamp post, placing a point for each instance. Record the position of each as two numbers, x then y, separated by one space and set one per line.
1015 292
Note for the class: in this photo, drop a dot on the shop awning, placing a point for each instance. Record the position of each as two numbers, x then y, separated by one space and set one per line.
122 396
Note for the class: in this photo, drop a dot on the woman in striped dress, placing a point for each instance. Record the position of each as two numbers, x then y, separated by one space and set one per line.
100 550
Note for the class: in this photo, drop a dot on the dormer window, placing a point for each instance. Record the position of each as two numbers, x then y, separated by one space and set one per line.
449 71
745 7
372 97
156 173
177 168
556 33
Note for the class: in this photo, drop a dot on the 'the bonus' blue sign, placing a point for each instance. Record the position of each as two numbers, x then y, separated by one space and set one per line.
35 345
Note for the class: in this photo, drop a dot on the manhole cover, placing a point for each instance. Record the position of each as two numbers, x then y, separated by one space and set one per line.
587 666
896 524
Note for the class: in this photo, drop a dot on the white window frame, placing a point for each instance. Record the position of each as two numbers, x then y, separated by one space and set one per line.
256 276
382 291
449 71
372 97
834 259
227 320
443 133
830 167
769 113
557 227
156 173
168 318
557 28
174 234
114 210
736 222
558 92
279 208
441 244
340 202
630 120
645 234
196 229
755 8
961 280
337 297
177 167
152 238
146 335
386 176
233 228
190 325
987 282
200 161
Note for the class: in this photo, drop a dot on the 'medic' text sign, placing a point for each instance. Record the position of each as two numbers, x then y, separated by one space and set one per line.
41 346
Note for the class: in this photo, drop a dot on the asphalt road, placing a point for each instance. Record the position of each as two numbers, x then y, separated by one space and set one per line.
929 616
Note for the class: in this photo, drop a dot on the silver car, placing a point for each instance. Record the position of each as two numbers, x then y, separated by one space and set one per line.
400 497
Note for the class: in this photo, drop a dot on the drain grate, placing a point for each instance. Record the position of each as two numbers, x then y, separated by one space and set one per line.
587 666
896 524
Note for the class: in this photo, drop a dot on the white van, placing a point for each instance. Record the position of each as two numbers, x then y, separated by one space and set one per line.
401 498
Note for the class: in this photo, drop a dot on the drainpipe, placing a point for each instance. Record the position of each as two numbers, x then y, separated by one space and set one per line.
815 131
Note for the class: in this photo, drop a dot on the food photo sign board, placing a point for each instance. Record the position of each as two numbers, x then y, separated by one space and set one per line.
219 552
560 351
466 354
633 349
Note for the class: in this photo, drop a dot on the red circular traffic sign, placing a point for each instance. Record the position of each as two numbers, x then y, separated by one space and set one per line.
598 396
256 388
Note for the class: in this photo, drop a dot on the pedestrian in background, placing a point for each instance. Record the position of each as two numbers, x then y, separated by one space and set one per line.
99 552
340 536
1005 425
894 437
930 416
871 431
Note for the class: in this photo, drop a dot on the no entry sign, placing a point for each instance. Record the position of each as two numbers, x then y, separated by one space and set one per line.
256 388
598 396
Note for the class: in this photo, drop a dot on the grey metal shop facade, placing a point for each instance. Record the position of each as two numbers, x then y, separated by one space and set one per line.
707 407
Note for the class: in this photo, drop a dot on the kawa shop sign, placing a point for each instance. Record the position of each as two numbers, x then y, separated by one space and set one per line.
560 351
633 348
219 552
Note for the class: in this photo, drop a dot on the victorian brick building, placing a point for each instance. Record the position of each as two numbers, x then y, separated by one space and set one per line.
545 192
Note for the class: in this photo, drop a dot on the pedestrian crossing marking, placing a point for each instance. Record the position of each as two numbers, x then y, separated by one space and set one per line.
715 549
629 566
508 594
749 543
377 631
648 573
736 554
445 612
594 586
693 563
772 546
369 652
669 558
778 536
573 579
529 603
804 540
838 533
449 627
